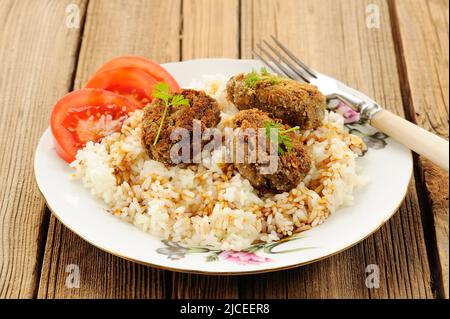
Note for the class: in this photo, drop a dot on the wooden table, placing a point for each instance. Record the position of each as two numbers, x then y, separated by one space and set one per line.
403 64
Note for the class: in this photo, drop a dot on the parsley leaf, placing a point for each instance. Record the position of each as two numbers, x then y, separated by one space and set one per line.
284 141
270 125
253 78
178 100
162 91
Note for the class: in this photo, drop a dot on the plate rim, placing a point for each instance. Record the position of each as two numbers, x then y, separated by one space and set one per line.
221 273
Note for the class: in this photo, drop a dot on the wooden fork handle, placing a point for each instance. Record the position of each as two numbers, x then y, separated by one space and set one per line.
433 147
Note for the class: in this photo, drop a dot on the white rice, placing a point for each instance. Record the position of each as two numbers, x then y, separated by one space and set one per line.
205 206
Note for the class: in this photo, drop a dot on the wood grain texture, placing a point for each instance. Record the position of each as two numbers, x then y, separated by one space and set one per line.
112 28
422 33
186 286
36 46
210 29
332 36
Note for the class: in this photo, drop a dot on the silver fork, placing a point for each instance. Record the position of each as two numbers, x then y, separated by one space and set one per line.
283 62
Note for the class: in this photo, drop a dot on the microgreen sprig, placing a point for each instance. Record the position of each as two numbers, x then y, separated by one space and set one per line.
162 91
253 78
284 141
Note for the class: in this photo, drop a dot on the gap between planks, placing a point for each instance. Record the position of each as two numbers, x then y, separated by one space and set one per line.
38 47
48 218
439 270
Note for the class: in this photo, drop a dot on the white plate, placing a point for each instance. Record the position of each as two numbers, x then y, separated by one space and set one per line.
390 169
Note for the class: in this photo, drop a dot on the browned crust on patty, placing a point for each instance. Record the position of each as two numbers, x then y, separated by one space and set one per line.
293 166
295 103
201 107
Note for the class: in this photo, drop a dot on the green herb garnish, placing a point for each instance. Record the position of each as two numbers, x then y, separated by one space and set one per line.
253 78
162 91
284 141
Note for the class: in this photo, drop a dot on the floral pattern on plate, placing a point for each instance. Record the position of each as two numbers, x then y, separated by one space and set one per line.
248 256
352 120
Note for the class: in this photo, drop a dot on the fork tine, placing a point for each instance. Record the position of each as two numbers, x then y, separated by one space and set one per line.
270 66
279 67
288 73
294 58
304 75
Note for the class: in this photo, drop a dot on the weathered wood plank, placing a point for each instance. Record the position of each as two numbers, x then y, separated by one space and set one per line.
332 36
210 29
186 286
37 59
422 34
112 28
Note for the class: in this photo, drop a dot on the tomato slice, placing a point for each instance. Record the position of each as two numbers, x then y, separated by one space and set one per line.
134 84
151 68
86 115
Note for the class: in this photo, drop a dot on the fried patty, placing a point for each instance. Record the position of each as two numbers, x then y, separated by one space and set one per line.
292 167
201 107
295 103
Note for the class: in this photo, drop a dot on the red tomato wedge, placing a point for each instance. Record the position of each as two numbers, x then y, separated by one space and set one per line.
134 84
153 69
86 115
